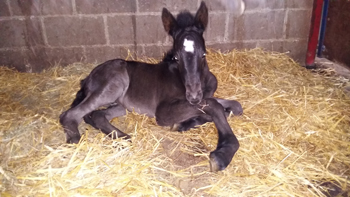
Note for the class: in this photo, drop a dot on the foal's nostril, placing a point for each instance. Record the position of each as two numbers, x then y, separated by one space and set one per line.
196 101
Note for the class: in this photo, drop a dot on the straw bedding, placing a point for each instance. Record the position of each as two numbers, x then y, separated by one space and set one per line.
294 137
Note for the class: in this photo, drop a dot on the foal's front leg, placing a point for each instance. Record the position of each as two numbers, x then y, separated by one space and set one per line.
192 123
168 114
231 106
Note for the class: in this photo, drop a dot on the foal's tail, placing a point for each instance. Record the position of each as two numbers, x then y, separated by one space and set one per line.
80 95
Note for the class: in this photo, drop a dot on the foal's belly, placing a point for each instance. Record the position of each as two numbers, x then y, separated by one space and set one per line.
141 100
139 107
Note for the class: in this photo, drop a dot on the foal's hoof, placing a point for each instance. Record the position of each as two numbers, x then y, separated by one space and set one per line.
127 137
124 136
73 140
181 127
218 161
175 127
236 108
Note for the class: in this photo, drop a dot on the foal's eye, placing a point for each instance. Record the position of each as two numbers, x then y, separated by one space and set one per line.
175 58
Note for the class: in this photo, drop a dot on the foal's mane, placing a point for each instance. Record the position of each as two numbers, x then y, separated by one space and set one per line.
185 19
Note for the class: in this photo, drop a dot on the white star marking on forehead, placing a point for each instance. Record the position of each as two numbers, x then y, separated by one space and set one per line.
188 44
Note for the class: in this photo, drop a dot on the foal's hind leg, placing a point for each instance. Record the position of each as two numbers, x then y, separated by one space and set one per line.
99 119
71 118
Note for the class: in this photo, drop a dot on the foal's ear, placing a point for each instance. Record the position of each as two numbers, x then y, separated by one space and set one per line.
201 17
169 22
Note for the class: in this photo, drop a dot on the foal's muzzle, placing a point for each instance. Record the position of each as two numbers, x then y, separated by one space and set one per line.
194 93
194 97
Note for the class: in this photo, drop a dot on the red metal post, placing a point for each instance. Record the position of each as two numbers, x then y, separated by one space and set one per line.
314 33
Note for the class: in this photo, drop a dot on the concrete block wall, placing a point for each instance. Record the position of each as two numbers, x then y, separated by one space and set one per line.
36 34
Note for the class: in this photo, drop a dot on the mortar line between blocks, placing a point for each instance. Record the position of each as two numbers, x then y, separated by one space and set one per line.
105 23
43 29
227 20
9 7
84 53
74 7
137 7
284 36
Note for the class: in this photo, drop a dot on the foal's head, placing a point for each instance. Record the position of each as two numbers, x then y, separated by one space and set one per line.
189 48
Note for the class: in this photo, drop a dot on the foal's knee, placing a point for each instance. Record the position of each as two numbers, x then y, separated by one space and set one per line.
212 104
87 119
